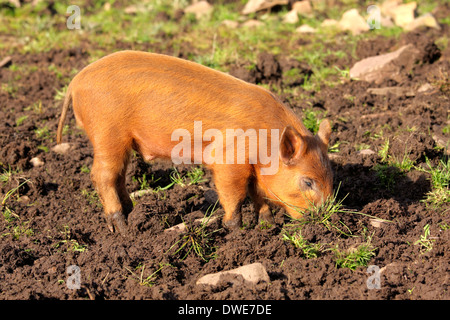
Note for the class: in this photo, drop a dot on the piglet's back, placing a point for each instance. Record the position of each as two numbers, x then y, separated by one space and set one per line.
132 83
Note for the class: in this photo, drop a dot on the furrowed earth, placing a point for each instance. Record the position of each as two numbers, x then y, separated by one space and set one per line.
52 217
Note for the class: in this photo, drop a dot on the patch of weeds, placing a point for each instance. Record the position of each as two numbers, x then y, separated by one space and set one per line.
440 182
362 146
405 165
17 227
325 214
309 250
13 190
55 70
144 183
425 243
69 243
60 94
384 151
35 107
444 226
312 119
10 89
354 258
334 148
7 174
391 168
43 133
92 197
446 129
147 281
20 120
21 228
43 148
193 176
85 169
442 83
264 225
198 239
9 215
387 175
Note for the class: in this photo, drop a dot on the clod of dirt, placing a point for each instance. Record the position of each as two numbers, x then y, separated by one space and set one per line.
267 70
253 273
414 145
268 66
271 69
395 91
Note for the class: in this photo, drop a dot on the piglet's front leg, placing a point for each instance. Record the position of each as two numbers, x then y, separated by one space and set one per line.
231 182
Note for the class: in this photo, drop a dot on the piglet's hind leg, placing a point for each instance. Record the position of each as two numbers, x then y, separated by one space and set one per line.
108 176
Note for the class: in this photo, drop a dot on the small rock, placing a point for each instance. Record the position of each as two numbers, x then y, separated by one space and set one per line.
230 24
386 22
329 23
258 5
388 5
181 227
385 66
425 87
366 152
200 9
36 162
15 3
62 148
377 223
427 20
351 20
396 91
253 273
24 199
302 7
403 14
133 9
291 17
305 29
252 23
442 142
5 62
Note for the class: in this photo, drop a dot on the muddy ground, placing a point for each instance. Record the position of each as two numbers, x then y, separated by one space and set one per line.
54 219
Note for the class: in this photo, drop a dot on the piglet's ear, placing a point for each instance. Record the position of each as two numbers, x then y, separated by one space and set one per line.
324 131
291 145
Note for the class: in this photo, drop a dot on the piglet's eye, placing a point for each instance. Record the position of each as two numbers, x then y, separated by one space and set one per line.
308 183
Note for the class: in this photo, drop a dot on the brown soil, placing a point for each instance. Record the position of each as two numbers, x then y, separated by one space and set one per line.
60 194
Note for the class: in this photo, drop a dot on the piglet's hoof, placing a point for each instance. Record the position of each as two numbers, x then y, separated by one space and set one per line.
232 224
266 217
116 222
